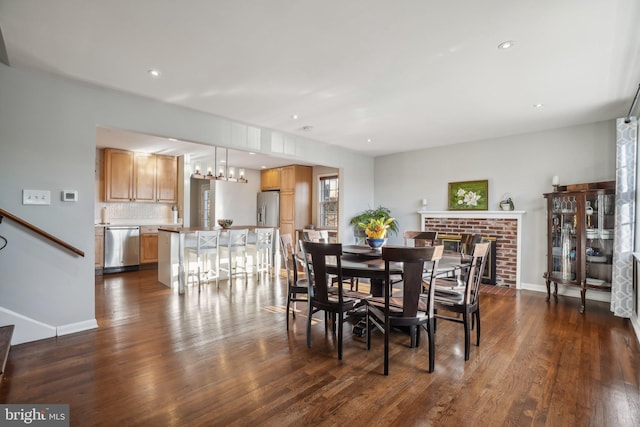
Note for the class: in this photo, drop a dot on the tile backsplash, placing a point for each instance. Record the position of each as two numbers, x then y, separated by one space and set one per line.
144 213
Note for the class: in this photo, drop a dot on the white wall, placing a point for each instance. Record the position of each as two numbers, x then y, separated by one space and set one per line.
238 201
47 141
522 165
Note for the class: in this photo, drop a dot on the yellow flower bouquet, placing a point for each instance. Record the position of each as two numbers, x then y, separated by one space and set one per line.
376 228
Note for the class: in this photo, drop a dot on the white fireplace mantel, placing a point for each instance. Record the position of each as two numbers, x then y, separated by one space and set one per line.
514 215
472 214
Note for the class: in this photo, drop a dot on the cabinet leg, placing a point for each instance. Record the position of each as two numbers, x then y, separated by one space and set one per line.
555 292
548 290
583 293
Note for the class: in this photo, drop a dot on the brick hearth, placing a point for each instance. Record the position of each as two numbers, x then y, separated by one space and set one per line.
503 226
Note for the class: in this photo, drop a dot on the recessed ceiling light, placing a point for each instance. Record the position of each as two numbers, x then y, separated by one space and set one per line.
505 45
294 116
251 153
172 139
153 72
368 139
538 105
263 167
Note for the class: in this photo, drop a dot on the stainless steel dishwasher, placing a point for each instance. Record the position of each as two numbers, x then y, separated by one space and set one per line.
121 248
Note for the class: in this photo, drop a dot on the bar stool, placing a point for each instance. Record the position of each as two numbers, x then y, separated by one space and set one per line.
235 247
263 250
206 244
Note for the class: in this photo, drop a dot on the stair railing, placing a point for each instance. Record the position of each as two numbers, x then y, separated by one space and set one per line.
41 232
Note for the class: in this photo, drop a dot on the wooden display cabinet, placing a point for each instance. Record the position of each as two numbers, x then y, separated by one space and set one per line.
580 232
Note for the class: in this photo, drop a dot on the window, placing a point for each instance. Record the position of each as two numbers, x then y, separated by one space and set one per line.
328 204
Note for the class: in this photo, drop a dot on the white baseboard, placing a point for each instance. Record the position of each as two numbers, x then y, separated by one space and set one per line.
72 328
569 291
27 329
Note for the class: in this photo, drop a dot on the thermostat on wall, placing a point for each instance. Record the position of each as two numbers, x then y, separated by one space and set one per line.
69 196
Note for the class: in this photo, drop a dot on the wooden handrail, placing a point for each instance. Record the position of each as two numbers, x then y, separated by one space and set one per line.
41 232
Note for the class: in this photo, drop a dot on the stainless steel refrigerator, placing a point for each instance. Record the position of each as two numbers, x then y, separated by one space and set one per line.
268 209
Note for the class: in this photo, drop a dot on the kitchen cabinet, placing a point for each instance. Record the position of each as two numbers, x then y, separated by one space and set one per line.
580 233
99 249
139 177
166 179
144 177
148 244
118 175
270 179
295 198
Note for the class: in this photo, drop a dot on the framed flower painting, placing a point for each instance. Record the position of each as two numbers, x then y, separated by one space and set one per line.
469 195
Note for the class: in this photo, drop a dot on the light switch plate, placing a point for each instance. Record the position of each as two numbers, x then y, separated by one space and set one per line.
36 197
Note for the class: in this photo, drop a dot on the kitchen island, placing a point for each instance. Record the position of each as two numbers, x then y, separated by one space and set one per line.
171 243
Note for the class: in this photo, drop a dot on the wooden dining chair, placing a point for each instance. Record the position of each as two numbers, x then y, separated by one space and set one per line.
322 236
416 239
409 310
315 235
419 239
337 303
297 287
463 302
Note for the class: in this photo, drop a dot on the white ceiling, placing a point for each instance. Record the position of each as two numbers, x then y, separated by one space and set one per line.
406 74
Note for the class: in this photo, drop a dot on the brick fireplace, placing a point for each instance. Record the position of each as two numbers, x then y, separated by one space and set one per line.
505 227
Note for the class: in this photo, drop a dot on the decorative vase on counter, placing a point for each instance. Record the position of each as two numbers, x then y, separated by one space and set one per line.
376 244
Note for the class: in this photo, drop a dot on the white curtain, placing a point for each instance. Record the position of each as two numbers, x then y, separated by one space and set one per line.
622 297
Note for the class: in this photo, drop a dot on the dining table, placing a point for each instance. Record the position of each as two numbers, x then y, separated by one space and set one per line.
364 262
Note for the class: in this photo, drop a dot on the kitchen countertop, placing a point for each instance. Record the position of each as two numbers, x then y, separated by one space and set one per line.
181 229
142 222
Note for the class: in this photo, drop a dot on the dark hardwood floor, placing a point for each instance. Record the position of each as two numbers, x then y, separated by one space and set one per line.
224 357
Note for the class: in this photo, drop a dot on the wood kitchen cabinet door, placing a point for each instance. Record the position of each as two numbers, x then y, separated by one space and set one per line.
118 175
287 212
144 177
288 178
139 177
287 206
99 249
270 179
148 244
166 179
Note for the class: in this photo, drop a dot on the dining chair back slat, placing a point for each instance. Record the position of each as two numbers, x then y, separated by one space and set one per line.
297 288
465 301
410 309
335 303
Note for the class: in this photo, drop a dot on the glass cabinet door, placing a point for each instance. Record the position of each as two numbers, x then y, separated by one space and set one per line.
563 237
599 220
